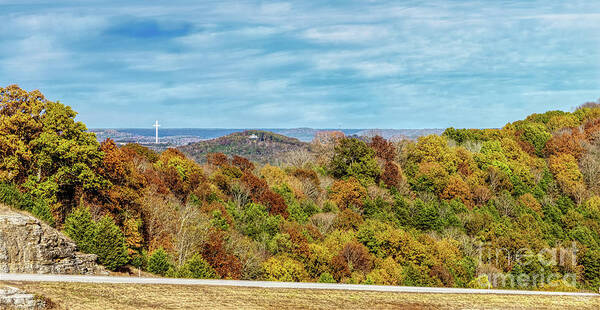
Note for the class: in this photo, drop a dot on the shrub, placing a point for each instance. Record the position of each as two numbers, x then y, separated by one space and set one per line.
326 278
196 267
561 285
480 282
109 244
158 262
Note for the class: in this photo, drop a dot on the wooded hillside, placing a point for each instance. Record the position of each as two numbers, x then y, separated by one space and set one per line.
256 145
450 210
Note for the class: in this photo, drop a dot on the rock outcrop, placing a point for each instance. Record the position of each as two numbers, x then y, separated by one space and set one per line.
29 246
14 298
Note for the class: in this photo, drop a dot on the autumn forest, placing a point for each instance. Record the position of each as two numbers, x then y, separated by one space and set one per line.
517 206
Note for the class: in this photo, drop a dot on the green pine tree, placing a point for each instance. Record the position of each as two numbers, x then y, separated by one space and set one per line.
428 217
109 244
80 227
42 211
158 262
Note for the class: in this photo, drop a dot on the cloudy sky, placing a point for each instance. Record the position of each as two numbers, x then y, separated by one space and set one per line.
354 64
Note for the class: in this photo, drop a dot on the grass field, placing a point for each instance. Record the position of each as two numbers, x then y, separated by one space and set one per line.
139 296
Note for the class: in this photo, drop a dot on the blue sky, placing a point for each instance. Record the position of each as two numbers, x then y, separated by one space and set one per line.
354 64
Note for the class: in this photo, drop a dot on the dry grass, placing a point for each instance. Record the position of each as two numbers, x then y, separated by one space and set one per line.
138 296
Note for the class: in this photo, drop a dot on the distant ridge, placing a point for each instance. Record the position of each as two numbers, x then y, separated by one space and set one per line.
257 145
182 136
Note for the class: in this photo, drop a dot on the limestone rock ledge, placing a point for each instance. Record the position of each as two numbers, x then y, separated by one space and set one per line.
14 298
29 246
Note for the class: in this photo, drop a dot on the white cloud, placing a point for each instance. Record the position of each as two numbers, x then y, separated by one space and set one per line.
276 8
35 56
378 69
347 34
54 24
566 20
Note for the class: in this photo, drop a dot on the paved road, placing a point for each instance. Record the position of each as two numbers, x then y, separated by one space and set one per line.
267 284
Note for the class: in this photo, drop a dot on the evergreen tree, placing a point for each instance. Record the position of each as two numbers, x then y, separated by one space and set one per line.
42 211
158 262
11 196
590 261
428 217
80 227
109 244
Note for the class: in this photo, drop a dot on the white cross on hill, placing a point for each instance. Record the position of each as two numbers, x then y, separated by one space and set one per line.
156 125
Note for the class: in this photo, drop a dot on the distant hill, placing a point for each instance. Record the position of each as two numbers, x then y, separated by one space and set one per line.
256 145
399 134
269 146
174 137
